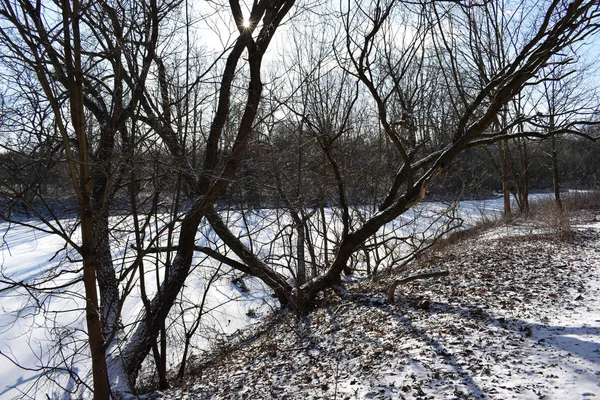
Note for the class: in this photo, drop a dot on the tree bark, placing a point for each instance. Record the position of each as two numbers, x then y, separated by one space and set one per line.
505 168
555 175
94 325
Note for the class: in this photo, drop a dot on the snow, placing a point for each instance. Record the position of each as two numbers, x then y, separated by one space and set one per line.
42 329
23 326
521 322
518 318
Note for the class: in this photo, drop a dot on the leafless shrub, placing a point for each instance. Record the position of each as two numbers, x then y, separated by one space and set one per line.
558 220
552 217
576 205
580 200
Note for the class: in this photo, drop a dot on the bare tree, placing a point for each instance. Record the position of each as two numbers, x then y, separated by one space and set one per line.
99 56
444 41
116 97
565 98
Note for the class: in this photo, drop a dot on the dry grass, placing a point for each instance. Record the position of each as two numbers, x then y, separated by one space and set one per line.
577 201
572 202
552 223
546 212
559 220
555 219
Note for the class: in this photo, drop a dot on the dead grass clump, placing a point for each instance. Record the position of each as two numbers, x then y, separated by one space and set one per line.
581 200
559 220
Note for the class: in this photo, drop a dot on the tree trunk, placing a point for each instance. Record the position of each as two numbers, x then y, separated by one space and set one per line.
94 325
146 333
555 175
84 192
505 165
107 280
526 180
523 177
301 273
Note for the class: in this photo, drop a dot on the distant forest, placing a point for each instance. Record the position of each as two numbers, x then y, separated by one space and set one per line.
368 167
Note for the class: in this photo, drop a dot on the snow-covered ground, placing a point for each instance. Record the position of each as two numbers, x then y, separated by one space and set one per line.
45 328
517 318
42 327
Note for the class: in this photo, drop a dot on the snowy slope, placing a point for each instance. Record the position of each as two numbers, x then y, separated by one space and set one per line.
518 318
41 330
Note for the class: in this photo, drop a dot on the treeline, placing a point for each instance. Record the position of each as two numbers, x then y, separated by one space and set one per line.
289 167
